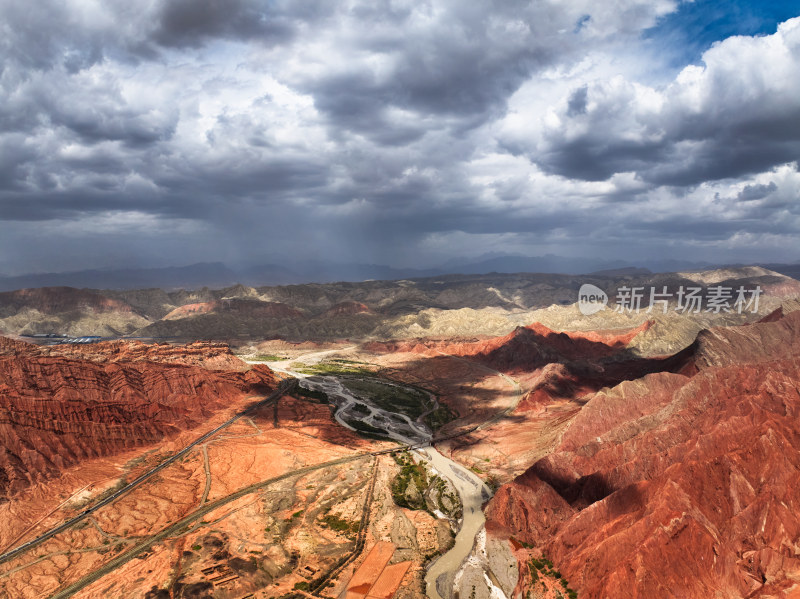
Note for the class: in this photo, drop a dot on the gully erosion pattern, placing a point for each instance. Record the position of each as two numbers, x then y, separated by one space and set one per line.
471 489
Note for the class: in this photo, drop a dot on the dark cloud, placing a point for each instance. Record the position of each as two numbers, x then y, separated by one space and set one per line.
35 36
460 71
133 129
598 157
711 229
193 22
457 63
384 131
757 192
715 159
14 157
54 205
576 104
234 180
726 150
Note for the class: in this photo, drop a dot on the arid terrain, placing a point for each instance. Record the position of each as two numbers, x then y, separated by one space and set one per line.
447 307
337 440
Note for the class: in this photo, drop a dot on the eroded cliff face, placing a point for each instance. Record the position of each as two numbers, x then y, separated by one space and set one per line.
61 405
676 484
525 348
53 300
205 354
67 311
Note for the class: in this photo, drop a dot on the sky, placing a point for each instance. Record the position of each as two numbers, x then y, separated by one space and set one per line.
407 133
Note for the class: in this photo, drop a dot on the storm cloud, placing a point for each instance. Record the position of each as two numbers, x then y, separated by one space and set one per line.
399 132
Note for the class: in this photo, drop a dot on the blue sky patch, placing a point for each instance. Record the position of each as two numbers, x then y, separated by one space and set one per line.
690 31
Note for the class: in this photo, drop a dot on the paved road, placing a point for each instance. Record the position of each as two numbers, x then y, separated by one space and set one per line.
177 527
282 389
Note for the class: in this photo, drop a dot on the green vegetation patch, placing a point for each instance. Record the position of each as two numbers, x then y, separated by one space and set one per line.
338 524
401 398
391 397
360 409
543 568
439 417
337 367
410 484
269 358
447 501
318 396
369 431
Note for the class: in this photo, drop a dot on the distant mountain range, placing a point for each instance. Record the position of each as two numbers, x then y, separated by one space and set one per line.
217 274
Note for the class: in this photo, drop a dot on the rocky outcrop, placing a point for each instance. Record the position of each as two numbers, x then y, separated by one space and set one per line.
677 484
777 338
525 348
189 310
224 319
57 410
13 347
247 308
54 300
346 309
553 365
531 347
66 311
205 354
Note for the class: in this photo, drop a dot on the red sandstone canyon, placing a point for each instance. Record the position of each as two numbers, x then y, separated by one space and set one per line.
410 439
678 483
399 299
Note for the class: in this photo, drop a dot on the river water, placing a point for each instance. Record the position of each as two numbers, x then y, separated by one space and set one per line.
471 489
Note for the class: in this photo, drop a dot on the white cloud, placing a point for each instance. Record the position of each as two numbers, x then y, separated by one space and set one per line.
737 114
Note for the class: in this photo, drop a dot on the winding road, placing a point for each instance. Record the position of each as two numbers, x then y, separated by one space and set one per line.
283 388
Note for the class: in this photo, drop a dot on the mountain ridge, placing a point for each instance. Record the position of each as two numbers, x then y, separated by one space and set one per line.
218 274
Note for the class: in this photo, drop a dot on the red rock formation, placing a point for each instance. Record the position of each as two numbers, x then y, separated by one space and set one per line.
243 307
188 310
552 365
11 347
760 342
525 348
56 411
206 354
773 316
528 348
346 309
676 485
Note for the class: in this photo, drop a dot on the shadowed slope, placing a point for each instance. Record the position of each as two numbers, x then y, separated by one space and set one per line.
676 485
57 410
